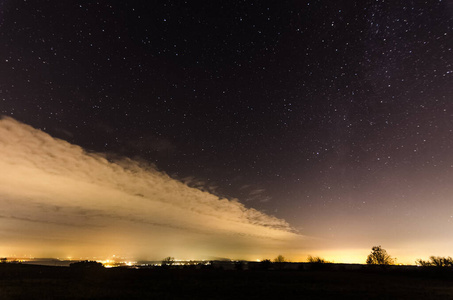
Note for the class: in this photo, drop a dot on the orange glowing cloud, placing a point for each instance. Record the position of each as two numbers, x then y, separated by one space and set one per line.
59 200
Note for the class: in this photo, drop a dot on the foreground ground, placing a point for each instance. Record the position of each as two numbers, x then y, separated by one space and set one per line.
41 282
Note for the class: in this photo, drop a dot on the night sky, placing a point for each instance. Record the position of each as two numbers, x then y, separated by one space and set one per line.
334 116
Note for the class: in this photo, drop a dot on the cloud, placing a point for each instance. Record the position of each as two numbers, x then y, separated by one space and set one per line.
60 200
256 192
252 193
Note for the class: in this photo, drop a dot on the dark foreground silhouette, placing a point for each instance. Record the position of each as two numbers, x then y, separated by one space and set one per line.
19 281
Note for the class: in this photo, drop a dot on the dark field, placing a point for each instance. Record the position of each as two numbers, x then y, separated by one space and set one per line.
41 282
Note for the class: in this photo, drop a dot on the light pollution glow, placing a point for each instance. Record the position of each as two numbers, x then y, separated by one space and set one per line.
60 201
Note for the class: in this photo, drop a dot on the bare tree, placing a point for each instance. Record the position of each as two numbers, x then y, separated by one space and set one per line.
168 261
317 260
379 256
279 262
280 259
436 261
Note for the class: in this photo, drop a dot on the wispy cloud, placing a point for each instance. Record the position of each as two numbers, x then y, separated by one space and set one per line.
60 200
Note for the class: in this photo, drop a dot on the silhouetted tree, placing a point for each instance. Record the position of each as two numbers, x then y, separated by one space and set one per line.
317 260
265 264
317 263
168 261
87 264
280 259
436 261
379 256
279 262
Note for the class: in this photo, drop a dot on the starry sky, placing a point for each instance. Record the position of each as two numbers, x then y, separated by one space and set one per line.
331 119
